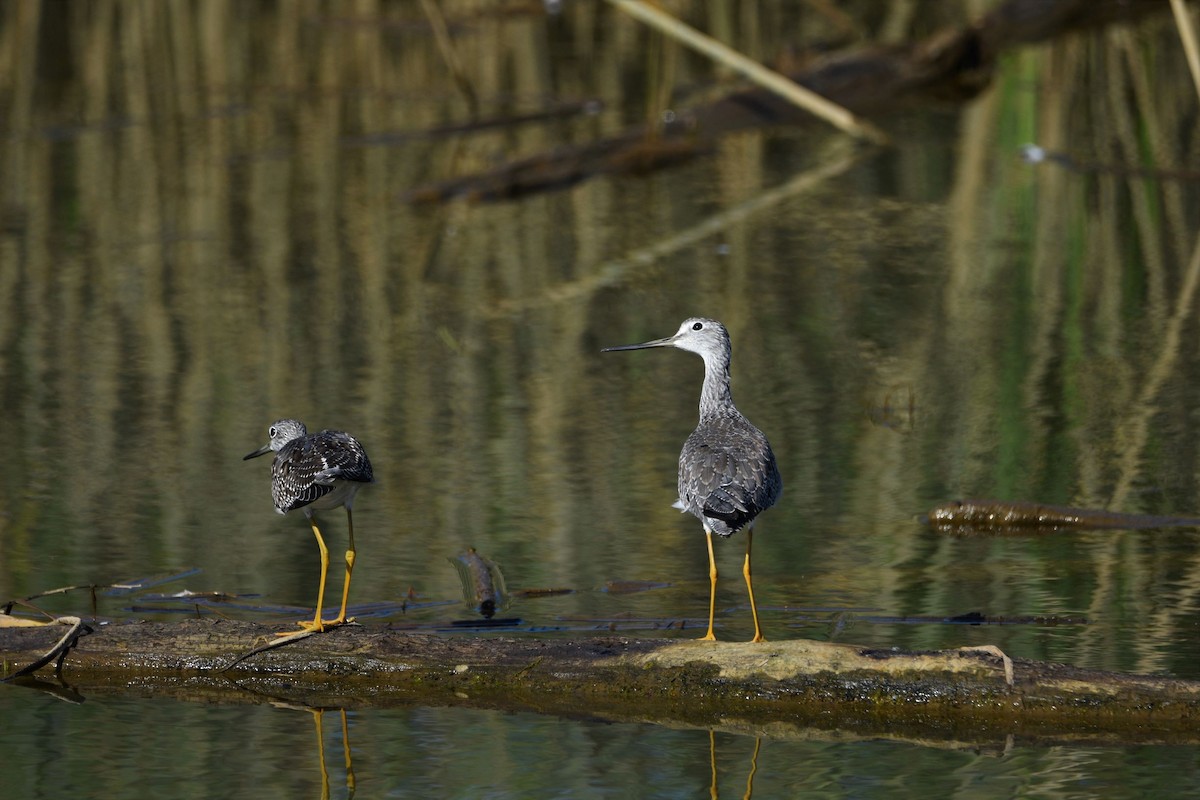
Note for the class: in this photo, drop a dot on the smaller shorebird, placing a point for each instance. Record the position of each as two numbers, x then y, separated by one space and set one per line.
324 470
727 472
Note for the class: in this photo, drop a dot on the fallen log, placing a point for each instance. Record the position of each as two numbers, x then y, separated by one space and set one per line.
788 688
1021 517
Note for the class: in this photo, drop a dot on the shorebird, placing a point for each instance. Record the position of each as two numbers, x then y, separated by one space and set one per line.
727 472
312 472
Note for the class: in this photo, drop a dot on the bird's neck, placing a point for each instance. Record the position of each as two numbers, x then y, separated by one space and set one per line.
715 396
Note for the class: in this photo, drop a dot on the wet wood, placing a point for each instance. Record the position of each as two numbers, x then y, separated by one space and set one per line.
870 81
482 582
783 688
1022 518
57 652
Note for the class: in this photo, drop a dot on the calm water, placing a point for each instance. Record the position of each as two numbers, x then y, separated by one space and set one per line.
149 748
204 229
137 747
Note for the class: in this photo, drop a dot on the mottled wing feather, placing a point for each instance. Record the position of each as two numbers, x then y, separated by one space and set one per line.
728 474
728 503
344 458
307 468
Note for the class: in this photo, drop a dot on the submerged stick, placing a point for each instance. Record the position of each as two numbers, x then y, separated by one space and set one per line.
768 79
482 582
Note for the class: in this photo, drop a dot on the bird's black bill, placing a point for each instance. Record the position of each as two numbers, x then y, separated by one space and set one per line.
667 342
262 451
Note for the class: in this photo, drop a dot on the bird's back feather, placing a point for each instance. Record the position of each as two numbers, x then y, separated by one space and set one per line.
309 467
727 473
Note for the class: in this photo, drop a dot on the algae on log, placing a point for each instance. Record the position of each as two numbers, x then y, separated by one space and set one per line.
778 688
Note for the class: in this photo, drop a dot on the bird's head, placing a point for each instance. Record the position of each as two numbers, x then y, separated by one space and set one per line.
280 433
701 335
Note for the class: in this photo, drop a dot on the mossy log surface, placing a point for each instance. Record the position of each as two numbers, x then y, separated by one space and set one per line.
784 688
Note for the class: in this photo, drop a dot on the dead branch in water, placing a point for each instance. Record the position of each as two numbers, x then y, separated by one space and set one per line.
1022 517
953 65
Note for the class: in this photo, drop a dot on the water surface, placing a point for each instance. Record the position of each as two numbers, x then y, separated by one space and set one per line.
157 748
204 230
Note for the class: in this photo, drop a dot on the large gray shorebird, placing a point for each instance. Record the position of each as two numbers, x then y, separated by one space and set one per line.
312 472
727 472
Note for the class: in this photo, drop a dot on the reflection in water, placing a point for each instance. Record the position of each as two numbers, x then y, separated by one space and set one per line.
125 747
712 757
318 718
318 722
897 409
56 688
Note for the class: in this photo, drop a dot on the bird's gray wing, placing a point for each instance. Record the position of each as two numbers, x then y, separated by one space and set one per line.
295 473
343 457
731 477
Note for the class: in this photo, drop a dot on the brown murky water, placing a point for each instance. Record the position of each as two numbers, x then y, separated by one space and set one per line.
203 229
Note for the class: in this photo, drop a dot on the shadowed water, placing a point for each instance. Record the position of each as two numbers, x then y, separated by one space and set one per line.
202 229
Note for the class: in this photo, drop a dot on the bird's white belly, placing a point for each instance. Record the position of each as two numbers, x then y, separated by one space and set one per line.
342 494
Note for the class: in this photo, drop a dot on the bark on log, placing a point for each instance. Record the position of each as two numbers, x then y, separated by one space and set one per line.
790 688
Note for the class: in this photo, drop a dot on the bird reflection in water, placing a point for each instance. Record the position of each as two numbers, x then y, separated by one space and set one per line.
318 721
712 759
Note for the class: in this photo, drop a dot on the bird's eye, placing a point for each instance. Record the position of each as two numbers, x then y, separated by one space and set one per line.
272 432
698 326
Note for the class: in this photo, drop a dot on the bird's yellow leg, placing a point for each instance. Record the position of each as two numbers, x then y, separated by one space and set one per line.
712 590
316 624
758 637
341 617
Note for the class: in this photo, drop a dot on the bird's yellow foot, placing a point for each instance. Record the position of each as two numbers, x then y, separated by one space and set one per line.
312 627
759 638
708 637
321 626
